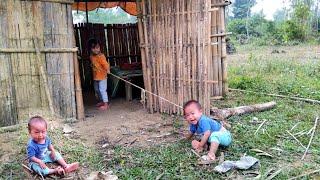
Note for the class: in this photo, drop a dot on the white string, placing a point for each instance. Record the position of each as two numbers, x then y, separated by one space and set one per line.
144 90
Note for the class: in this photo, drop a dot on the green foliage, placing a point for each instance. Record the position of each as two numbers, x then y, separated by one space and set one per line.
240 8
237 26
290 26
291 31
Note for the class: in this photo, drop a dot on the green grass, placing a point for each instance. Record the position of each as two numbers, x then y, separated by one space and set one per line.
287 73
176 161
253 68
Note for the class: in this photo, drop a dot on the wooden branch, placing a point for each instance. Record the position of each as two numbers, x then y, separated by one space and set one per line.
57 1
10 128
228 112
312 135
305 174
78 92
219 35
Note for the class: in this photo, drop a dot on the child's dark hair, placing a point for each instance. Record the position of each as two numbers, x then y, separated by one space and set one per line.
36 119
92 43
188 103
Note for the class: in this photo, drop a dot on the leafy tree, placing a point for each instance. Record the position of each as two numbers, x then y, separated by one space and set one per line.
242 8
280 15
292 31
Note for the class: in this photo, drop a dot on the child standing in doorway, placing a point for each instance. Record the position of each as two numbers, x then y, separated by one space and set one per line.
212 132
100 69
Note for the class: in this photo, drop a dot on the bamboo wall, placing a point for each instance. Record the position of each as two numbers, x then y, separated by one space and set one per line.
36 59
183 51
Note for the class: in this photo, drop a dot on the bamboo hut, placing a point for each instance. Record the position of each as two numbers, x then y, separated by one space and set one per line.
182 45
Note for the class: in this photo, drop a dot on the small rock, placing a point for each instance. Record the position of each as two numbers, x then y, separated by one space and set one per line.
67 129
97 175
255 119
105 145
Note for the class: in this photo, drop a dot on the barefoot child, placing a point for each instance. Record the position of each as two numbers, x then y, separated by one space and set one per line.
40 150
100 69
210 130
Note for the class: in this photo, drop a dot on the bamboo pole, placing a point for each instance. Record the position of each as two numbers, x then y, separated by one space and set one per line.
152 31
223 52
178 58
214 50
162 54
219 54
189 5
142 36
194 22
208 56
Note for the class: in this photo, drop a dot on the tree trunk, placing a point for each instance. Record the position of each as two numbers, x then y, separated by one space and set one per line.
222 114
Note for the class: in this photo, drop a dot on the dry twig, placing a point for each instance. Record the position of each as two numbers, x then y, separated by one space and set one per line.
296 139
312 135
274 174
260 126
306 174
194 152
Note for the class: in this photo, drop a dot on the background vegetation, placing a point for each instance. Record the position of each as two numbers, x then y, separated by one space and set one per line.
296 23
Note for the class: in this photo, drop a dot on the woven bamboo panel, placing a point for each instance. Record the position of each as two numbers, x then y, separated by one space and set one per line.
182 52
35 79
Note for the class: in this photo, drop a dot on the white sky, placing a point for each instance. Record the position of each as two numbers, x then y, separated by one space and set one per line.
269 7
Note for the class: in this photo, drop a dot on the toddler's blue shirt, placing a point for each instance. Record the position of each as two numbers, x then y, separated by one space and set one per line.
204 124
38 150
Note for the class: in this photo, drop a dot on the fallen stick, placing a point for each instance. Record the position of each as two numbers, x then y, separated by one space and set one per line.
159 176
10 128
228 112
163 135
281 96
312 135
294 126
306 174
296 139
194 152
274 174
261 153
260 126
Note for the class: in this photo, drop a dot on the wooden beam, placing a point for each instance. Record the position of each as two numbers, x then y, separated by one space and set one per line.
56 1
32 50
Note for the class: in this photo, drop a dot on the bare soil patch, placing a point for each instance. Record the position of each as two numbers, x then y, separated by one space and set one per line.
127 124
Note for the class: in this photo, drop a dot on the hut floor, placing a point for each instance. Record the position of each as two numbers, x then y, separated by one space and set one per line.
125 123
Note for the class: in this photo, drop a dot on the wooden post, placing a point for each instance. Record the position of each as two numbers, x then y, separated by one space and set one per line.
128 88
77 83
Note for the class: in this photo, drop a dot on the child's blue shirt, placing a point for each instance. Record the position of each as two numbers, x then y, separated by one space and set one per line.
204 124
38 150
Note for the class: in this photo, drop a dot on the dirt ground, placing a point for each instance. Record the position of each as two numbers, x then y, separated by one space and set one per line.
127 123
